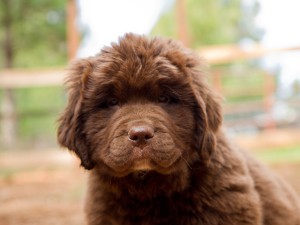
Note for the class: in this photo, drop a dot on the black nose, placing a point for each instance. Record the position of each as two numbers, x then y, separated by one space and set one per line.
140 134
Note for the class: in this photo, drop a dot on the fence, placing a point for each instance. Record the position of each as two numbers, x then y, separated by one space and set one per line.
236 113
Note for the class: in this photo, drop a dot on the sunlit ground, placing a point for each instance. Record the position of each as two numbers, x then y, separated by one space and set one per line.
47 187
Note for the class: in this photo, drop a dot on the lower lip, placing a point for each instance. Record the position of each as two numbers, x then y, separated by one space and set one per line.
142 165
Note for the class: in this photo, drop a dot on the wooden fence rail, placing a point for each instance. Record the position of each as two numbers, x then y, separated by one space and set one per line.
17 78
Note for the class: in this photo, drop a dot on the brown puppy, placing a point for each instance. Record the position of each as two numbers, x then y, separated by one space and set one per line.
143 121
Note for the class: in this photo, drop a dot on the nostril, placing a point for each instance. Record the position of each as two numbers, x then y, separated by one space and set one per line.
133 137
140 133
148 137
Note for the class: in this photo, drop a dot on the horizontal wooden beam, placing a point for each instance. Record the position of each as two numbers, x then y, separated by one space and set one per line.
231 53
16 78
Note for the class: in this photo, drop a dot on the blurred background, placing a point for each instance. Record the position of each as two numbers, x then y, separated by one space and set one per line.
252 47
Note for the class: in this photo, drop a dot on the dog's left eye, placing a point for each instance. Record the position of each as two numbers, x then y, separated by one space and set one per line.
163 99
112 102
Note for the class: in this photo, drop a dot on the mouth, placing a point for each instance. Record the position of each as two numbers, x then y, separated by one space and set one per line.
143 160
142 165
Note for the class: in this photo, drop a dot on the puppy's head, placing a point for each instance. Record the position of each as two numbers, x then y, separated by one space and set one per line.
140 105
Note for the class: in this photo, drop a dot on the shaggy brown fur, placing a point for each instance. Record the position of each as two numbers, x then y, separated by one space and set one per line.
142 120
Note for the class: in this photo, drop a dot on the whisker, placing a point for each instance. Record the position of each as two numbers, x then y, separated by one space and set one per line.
187 163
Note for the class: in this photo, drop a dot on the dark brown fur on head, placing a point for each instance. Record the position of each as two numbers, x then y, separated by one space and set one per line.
137 72
142 119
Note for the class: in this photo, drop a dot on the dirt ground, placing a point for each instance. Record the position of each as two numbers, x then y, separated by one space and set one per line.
47 187
41 188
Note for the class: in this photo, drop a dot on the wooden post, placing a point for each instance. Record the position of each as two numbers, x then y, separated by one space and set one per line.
72 31
269 90
217 81
181 22
8 120
7 109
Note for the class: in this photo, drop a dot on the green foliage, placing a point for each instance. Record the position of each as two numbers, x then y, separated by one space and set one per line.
39 109
38 32
213 22
209 22
166 26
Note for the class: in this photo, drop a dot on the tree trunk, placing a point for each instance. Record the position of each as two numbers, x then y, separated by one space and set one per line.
8 111
8 42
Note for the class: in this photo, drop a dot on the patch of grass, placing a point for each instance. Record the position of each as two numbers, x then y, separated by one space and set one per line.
241 82
279 155
7 174
243 98
29 100
38 128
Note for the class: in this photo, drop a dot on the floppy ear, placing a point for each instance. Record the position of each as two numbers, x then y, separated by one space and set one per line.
208 119
70 123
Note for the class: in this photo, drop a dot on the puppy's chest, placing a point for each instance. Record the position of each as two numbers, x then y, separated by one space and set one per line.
159 211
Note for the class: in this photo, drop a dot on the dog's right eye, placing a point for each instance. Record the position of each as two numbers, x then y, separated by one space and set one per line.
112 102
163 99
